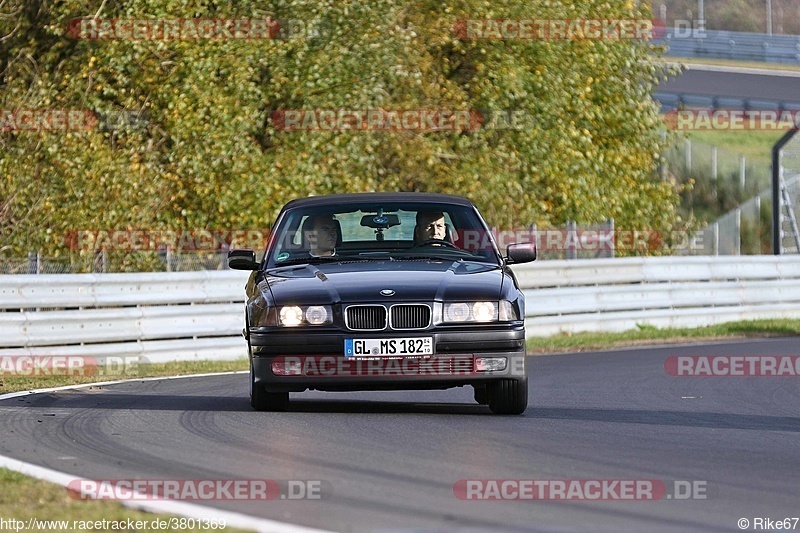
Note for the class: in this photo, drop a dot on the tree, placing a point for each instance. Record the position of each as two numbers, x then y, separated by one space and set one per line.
206 152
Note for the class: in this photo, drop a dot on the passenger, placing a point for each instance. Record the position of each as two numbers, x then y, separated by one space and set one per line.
321 233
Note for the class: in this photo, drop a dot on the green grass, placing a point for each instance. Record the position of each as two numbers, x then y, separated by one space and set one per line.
23 498
21 383
647 334
756 146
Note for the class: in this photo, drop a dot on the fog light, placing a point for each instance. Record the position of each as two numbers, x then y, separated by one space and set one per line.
456 312
490 364
287 367
316 314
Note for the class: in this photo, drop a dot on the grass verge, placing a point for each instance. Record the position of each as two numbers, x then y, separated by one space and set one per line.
645 334
48 507
755 145
14 383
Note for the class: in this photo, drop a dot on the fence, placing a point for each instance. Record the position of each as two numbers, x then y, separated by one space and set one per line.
725 173
739 188
200 315
106 262
747 228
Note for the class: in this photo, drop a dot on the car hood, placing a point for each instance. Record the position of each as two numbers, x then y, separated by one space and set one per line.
363 281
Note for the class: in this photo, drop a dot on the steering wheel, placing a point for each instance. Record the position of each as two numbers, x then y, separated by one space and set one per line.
440 242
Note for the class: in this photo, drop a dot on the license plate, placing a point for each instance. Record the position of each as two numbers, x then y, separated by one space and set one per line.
383 347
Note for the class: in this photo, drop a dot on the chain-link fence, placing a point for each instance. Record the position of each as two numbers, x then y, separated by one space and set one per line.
747 229
721 176
102 261
790 195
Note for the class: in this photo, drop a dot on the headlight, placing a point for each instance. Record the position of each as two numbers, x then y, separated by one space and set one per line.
470 312
484 311
463 312
314 315
291 316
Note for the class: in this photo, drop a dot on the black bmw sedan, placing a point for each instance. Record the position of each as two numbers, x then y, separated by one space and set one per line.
382 291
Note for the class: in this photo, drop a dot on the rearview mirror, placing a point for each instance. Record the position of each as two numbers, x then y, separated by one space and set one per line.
380 221
243 260
521 252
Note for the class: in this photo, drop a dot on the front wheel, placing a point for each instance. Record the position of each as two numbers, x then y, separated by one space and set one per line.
261 400
508 396
481 394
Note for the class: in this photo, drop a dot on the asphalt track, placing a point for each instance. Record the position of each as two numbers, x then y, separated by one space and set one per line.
389 461
774 86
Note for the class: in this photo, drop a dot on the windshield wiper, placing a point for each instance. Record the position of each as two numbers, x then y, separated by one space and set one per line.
321 259
432 257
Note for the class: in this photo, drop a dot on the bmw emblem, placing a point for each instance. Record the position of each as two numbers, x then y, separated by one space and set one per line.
387 292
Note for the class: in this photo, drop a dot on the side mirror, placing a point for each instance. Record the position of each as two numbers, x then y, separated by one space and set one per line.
243 260
522 252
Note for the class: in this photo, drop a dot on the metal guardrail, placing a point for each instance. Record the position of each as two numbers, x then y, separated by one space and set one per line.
732 45
160 316
670 101
199 315
622 294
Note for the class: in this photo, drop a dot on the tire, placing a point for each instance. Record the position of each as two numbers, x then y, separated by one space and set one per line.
508 396
261 400
481 394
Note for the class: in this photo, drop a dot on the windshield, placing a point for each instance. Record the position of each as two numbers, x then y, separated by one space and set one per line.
381 231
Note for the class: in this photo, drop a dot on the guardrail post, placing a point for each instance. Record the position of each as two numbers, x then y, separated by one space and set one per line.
609 227
769 17
714 162
687 147
570 250
715 238
741 171
34 263
738 222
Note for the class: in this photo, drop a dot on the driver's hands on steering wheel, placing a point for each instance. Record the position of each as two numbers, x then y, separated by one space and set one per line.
436 242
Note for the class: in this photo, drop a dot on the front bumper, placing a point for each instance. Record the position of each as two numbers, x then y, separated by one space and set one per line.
295 361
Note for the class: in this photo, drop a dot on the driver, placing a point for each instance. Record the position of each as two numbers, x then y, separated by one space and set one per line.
430 225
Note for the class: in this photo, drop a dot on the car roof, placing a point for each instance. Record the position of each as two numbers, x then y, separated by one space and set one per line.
357 198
